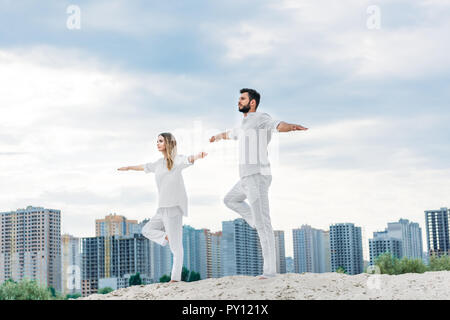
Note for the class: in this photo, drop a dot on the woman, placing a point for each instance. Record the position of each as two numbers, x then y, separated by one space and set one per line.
166 226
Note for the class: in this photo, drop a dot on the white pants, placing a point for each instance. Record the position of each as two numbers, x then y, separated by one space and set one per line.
168 222
257 214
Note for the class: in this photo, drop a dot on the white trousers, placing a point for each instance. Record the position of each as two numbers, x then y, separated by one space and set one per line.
256 188
168 222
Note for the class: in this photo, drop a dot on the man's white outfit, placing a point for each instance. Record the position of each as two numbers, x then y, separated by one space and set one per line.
172 206
254 135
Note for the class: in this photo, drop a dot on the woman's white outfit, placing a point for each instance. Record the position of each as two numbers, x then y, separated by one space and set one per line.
172 206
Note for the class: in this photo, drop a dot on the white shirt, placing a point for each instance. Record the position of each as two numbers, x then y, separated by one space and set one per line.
254 135
170 183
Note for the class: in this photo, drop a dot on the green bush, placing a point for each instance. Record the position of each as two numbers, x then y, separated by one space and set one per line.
439 263
25 289
105 290
389 264
186 275
411 266
194 276
164 278
135 280
73 296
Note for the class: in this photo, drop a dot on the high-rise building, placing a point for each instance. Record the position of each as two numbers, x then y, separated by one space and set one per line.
290 265
311 250
71 264
410 235
115 225
31 246
280 251
437 226
407 234
209 254
113 257
122 282
346 248
161 261
326 250
241 250
193 254
216 258
383 242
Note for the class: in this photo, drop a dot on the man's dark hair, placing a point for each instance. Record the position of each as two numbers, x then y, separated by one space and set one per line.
252 94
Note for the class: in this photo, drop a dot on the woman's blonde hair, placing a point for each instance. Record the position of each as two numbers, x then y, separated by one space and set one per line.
171 148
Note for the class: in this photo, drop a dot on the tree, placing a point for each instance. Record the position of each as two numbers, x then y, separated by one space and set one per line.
388 264
52 291
184 274
439 263
135 280
411 266
25 289
164 278
105 290
194 276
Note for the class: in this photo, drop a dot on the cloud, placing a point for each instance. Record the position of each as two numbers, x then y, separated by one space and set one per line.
334 36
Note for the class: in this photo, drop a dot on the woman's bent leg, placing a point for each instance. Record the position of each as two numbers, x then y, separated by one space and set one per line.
154 229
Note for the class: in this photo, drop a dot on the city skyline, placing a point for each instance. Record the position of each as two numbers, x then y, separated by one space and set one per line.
287 233
119 249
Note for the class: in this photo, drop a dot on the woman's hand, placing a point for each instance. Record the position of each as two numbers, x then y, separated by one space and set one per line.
201 155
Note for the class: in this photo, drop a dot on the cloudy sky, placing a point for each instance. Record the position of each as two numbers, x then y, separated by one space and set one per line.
76 104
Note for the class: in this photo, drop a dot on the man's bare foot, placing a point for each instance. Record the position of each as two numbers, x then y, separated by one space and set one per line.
173 281
261 277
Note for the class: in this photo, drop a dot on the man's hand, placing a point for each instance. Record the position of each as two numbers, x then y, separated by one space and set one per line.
295 127
286 127
124 169
218 137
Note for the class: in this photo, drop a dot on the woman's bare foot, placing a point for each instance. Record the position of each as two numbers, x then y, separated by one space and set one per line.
167 239
173 281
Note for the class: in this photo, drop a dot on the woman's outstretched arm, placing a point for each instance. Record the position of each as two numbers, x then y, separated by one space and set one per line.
137 168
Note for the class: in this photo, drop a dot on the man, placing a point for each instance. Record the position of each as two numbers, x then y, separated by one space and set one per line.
254 135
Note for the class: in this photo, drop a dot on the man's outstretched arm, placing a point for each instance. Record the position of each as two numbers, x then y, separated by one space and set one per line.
221 136
286 127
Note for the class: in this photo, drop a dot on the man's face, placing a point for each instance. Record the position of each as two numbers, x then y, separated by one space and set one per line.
244 103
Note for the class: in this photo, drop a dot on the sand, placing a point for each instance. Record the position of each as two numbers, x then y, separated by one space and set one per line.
306 286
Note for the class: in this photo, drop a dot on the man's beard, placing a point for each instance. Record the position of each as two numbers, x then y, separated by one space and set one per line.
245 109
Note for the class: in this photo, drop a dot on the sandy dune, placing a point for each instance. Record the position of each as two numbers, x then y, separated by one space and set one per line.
429 285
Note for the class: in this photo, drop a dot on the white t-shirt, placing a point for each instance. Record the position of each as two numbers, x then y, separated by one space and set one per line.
170 183
254 135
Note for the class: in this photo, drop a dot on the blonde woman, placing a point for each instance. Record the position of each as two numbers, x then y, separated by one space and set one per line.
166 226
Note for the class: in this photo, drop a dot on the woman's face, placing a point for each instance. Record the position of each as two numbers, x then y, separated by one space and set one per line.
161 144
